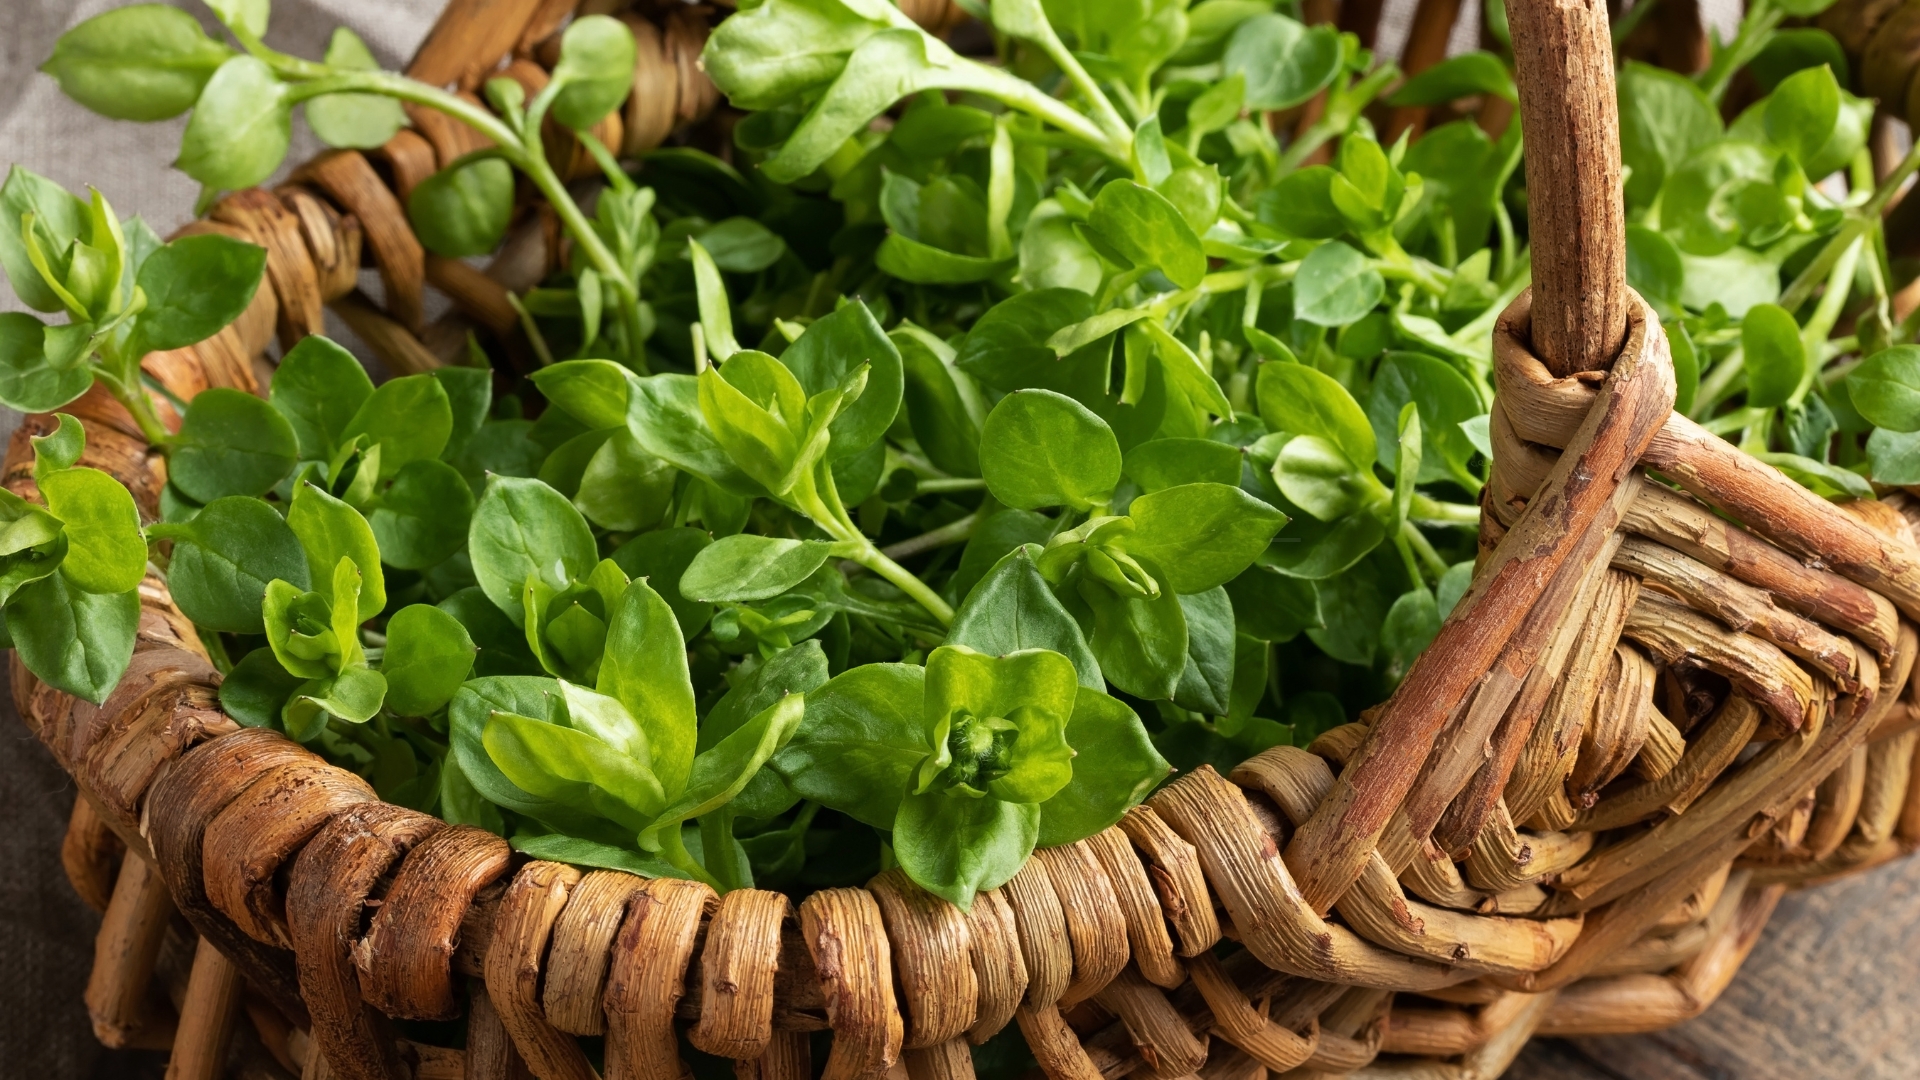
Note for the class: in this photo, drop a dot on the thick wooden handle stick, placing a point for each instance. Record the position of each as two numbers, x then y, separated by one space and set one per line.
1563 51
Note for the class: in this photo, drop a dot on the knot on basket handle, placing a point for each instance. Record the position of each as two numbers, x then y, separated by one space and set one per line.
1476 665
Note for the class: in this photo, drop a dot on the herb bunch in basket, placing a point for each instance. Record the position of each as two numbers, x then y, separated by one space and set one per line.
986 435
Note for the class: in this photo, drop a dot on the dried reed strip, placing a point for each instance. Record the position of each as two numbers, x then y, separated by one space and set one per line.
333 239
1467 814
1553 747
1256 888
737 967
1836 804
1617 729
165 704
1502 858
179 806
1055 1045
1351 1031
1549 411
290 266
1754 789
1450 1032
648 976
1486 1062
1041 927
490 1053
1376 907
522 927
346 176
788 1057
390 340
1160 1033
264 827
327 911
209 1015
468 39
1739 606
1576 511
406 959
1673 519
581 950
1661 951
843 931
1622 1004
1706 757
1675 633
1096 928
1662 751
1907 829
90 853
1697 904
1872 841
932 956
477 295
1146 927
1724 809
1236 1020
1174 867
950 1060
653 108
1228 1062
998 966
1433 876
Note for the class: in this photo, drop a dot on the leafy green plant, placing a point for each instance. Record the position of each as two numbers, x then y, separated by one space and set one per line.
124 291
996 435
151 61
1754 263
70 571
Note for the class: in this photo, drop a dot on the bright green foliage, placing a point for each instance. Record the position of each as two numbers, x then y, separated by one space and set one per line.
907 492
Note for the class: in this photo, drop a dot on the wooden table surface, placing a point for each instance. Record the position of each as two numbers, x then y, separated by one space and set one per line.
1830 993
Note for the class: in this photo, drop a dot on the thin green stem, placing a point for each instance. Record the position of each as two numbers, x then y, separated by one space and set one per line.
1435 512
532 330
1343 107
1719 383
1813 336
716 841
952 533
674 847
1755 31
823 505
904 580
941 485
526 155
1405 549
1503 218
122 380
1028 98
1424 548
1859 222
1104 113
1482 324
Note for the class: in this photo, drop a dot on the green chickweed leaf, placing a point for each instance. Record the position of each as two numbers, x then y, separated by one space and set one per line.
353 121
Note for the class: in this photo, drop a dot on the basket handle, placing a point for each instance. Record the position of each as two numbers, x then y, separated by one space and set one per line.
1563 60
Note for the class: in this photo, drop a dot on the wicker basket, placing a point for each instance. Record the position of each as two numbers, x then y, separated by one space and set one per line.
1413 895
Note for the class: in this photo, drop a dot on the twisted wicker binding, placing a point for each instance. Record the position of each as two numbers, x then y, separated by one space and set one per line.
1678 686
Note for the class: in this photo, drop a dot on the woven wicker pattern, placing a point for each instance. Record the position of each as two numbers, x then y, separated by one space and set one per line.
1678 686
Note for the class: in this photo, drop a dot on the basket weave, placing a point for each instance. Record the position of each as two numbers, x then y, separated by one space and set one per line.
1678 686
